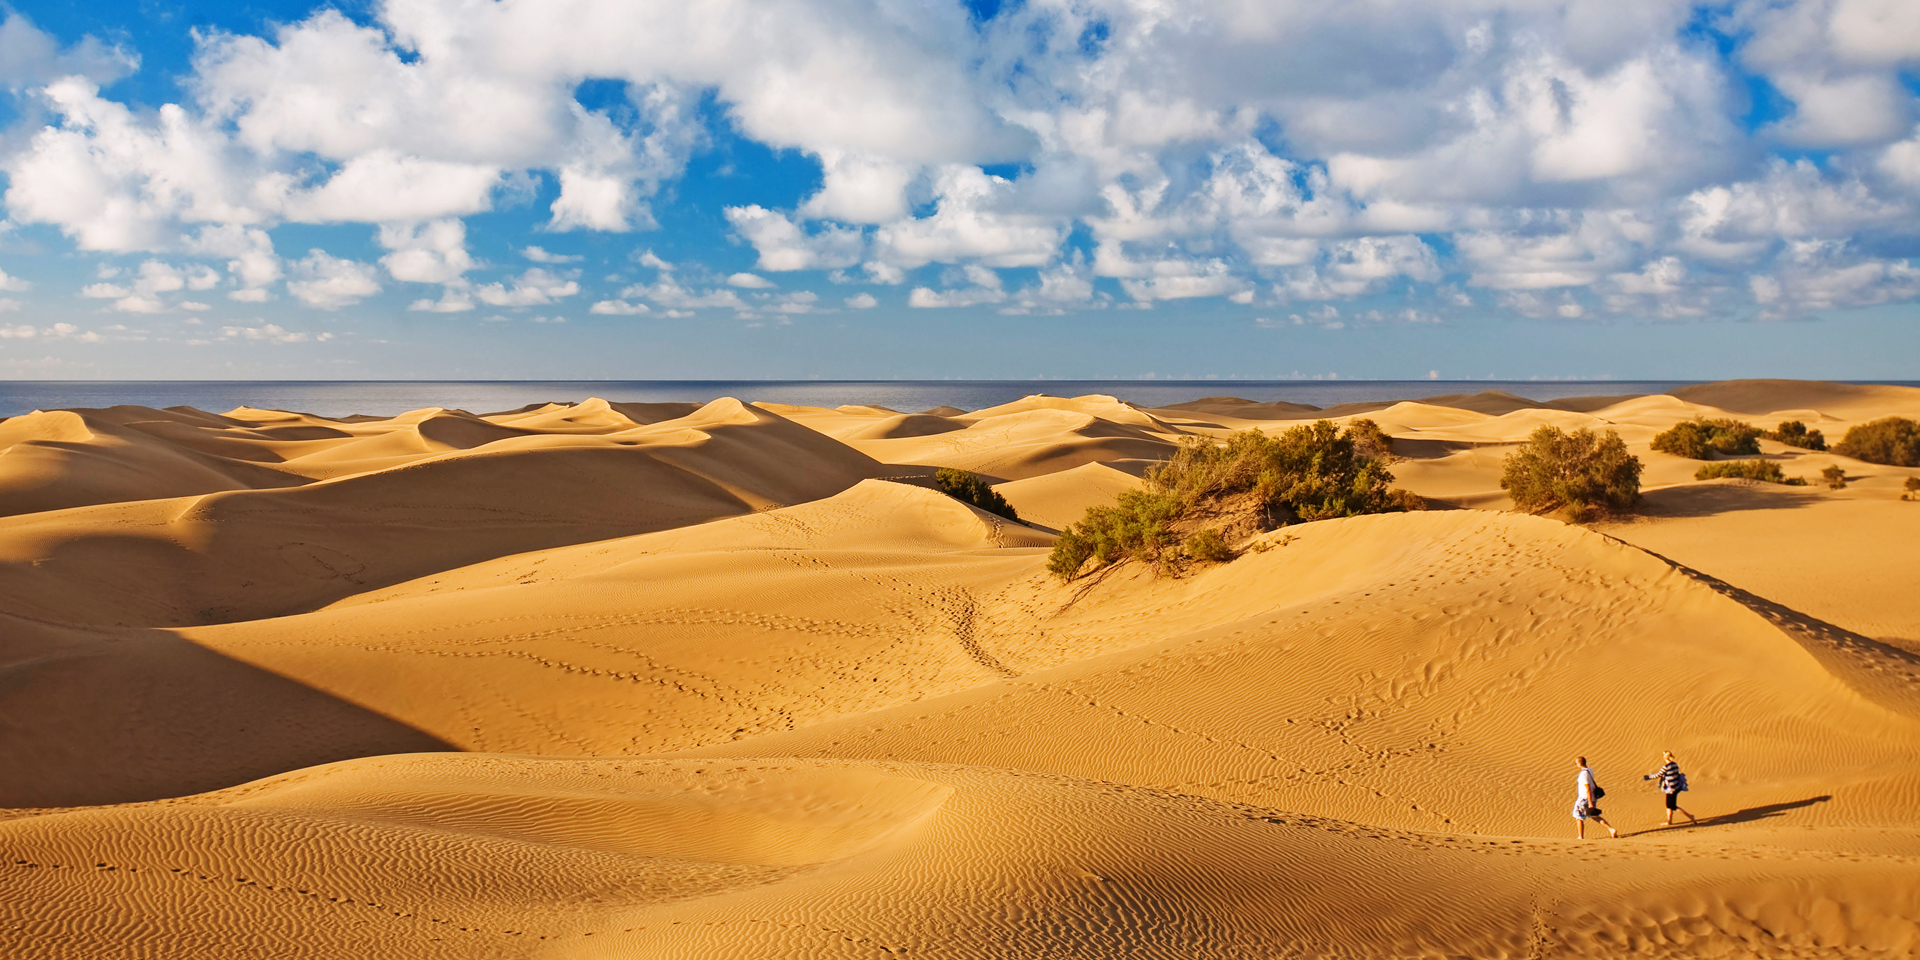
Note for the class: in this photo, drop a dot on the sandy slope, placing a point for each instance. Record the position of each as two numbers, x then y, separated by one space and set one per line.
769 708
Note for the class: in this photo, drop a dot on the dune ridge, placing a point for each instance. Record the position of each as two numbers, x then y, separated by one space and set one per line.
598 680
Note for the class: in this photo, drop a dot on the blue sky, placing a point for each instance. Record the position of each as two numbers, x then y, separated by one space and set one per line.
1074 188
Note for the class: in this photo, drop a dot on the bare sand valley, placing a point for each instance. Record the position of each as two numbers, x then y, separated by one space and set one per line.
605 680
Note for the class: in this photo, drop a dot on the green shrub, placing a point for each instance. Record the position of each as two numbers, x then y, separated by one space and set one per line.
1765 471
1835 476
1793 433
1894 441
1369 440
1701 439
967 488
1581 472
1210 492
1208 545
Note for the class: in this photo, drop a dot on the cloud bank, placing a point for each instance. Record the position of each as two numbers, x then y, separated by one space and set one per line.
1559 160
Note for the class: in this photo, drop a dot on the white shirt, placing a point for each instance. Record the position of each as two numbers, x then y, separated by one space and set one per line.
1583 784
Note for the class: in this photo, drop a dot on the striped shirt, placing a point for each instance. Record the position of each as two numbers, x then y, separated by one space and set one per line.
1669 777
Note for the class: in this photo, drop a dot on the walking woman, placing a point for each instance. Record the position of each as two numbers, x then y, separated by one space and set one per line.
1586 802
1672 782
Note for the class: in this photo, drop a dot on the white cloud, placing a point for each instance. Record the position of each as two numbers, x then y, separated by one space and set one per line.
8 283
453 299
749 281
925 297
433 252
58 331
271 333
542 255
667 292
384 187
9 305
976 219
29 57
330 282
252 264
536 287
1203 147
1815 275
619 308
784 245
862 301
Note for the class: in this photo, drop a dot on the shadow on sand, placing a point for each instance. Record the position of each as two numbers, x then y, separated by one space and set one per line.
1762 812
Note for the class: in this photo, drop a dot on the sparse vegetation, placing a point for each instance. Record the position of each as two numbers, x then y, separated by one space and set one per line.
1208 545
1581 473
1835 476
1793 433
1765 471
1912 489
967 488
1894 441
1702 439
1369 440
1210 494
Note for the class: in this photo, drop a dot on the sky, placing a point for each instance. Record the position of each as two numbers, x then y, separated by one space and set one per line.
918 189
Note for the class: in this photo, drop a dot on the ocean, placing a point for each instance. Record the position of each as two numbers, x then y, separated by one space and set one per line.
336 398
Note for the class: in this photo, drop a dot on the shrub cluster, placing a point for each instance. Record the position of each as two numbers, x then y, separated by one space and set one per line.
1912 489
1209 492
1835 476
1894 441
1582 473
1765 471
1793 433
1701 439
967 488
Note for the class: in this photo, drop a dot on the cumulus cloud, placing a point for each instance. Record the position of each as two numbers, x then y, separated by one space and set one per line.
785 245
536 287
271 333
58 331
434 252
330 282
1562 155
542 255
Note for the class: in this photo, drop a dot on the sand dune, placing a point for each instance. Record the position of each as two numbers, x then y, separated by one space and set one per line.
595 680
259 553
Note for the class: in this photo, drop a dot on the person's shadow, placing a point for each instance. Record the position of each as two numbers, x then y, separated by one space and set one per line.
1748 815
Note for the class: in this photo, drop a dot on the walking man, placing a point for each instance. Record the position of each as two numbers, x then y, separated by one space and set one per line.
1586 802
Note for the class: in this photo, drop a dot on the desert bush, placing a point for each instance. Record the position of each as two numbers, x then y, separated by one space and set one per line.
1251 483
967 488
1835 476
1765 471
1701 439
1793 433
1369 440
1912 489
1894 441
1208 545
1582 472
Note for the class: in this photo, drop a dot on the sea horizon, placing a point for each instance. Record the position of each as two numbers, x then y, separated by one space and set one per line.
335 398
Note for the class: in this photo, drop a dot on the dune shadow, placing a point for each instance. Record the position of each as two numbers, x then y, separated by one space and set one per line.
1711 499
121 716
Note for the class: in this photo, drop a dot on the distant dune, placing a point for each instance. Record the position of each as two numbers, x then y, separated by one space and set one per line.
602 680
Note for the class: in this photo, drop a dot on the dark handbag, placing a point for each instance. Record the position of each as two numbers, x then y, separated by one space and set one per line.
1599 792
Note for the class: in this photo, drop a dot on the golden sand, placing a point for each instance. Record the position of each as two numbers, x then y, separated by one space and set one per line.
615 680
